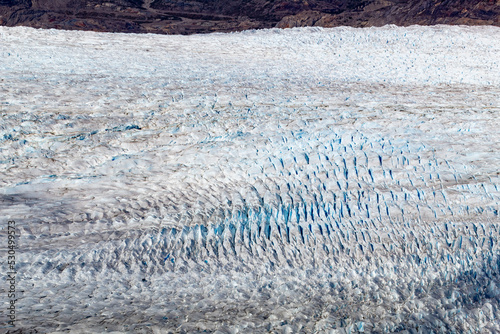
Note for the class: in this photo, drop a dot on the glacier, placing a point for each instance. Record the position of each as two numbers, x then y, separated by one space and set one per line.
304 180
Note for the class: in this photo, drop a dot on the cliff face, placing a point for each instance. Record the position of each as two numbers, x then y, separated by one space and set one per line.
201 16
403 13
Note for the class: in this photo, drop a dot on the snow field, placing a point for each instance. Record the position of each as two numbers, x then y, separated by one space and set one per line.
303 180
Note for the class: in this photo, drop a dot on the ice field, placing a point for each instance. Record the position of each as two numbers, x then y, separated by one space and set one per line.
278 181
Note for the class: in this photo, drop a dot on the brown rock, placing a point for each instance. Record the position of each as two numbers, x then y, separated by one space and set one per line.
202 16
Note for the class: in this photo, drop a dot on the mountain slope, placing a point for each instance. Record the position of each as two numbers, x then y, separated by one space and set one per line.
202 16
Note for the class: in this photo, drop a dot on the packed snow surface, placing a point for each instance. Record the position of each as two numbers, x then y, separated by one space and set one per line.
279 181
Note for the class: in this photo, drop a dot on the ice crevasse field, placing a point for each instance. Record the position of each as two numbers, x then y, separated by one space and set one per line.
277 181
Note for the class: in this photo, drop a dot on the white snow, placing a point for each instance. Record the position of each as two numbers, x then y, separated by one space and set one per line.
303 180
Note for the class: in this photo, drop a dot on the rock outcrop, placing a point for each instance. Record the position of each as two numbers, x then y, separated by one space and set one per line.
202 16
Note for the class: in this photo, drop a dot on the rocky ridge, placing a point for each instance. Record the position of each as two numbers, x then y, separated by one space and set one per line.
203 16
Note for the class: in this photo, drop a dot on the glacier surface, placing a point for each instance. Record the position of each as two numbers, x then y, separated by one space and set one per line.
278 181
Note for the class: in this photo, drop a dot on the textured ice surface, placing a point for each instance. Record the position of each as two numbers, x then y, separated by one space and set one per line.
306 180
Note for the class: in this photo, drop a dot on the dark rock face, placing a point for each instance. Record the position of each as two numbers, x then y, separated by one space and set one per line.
202 16
403 13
